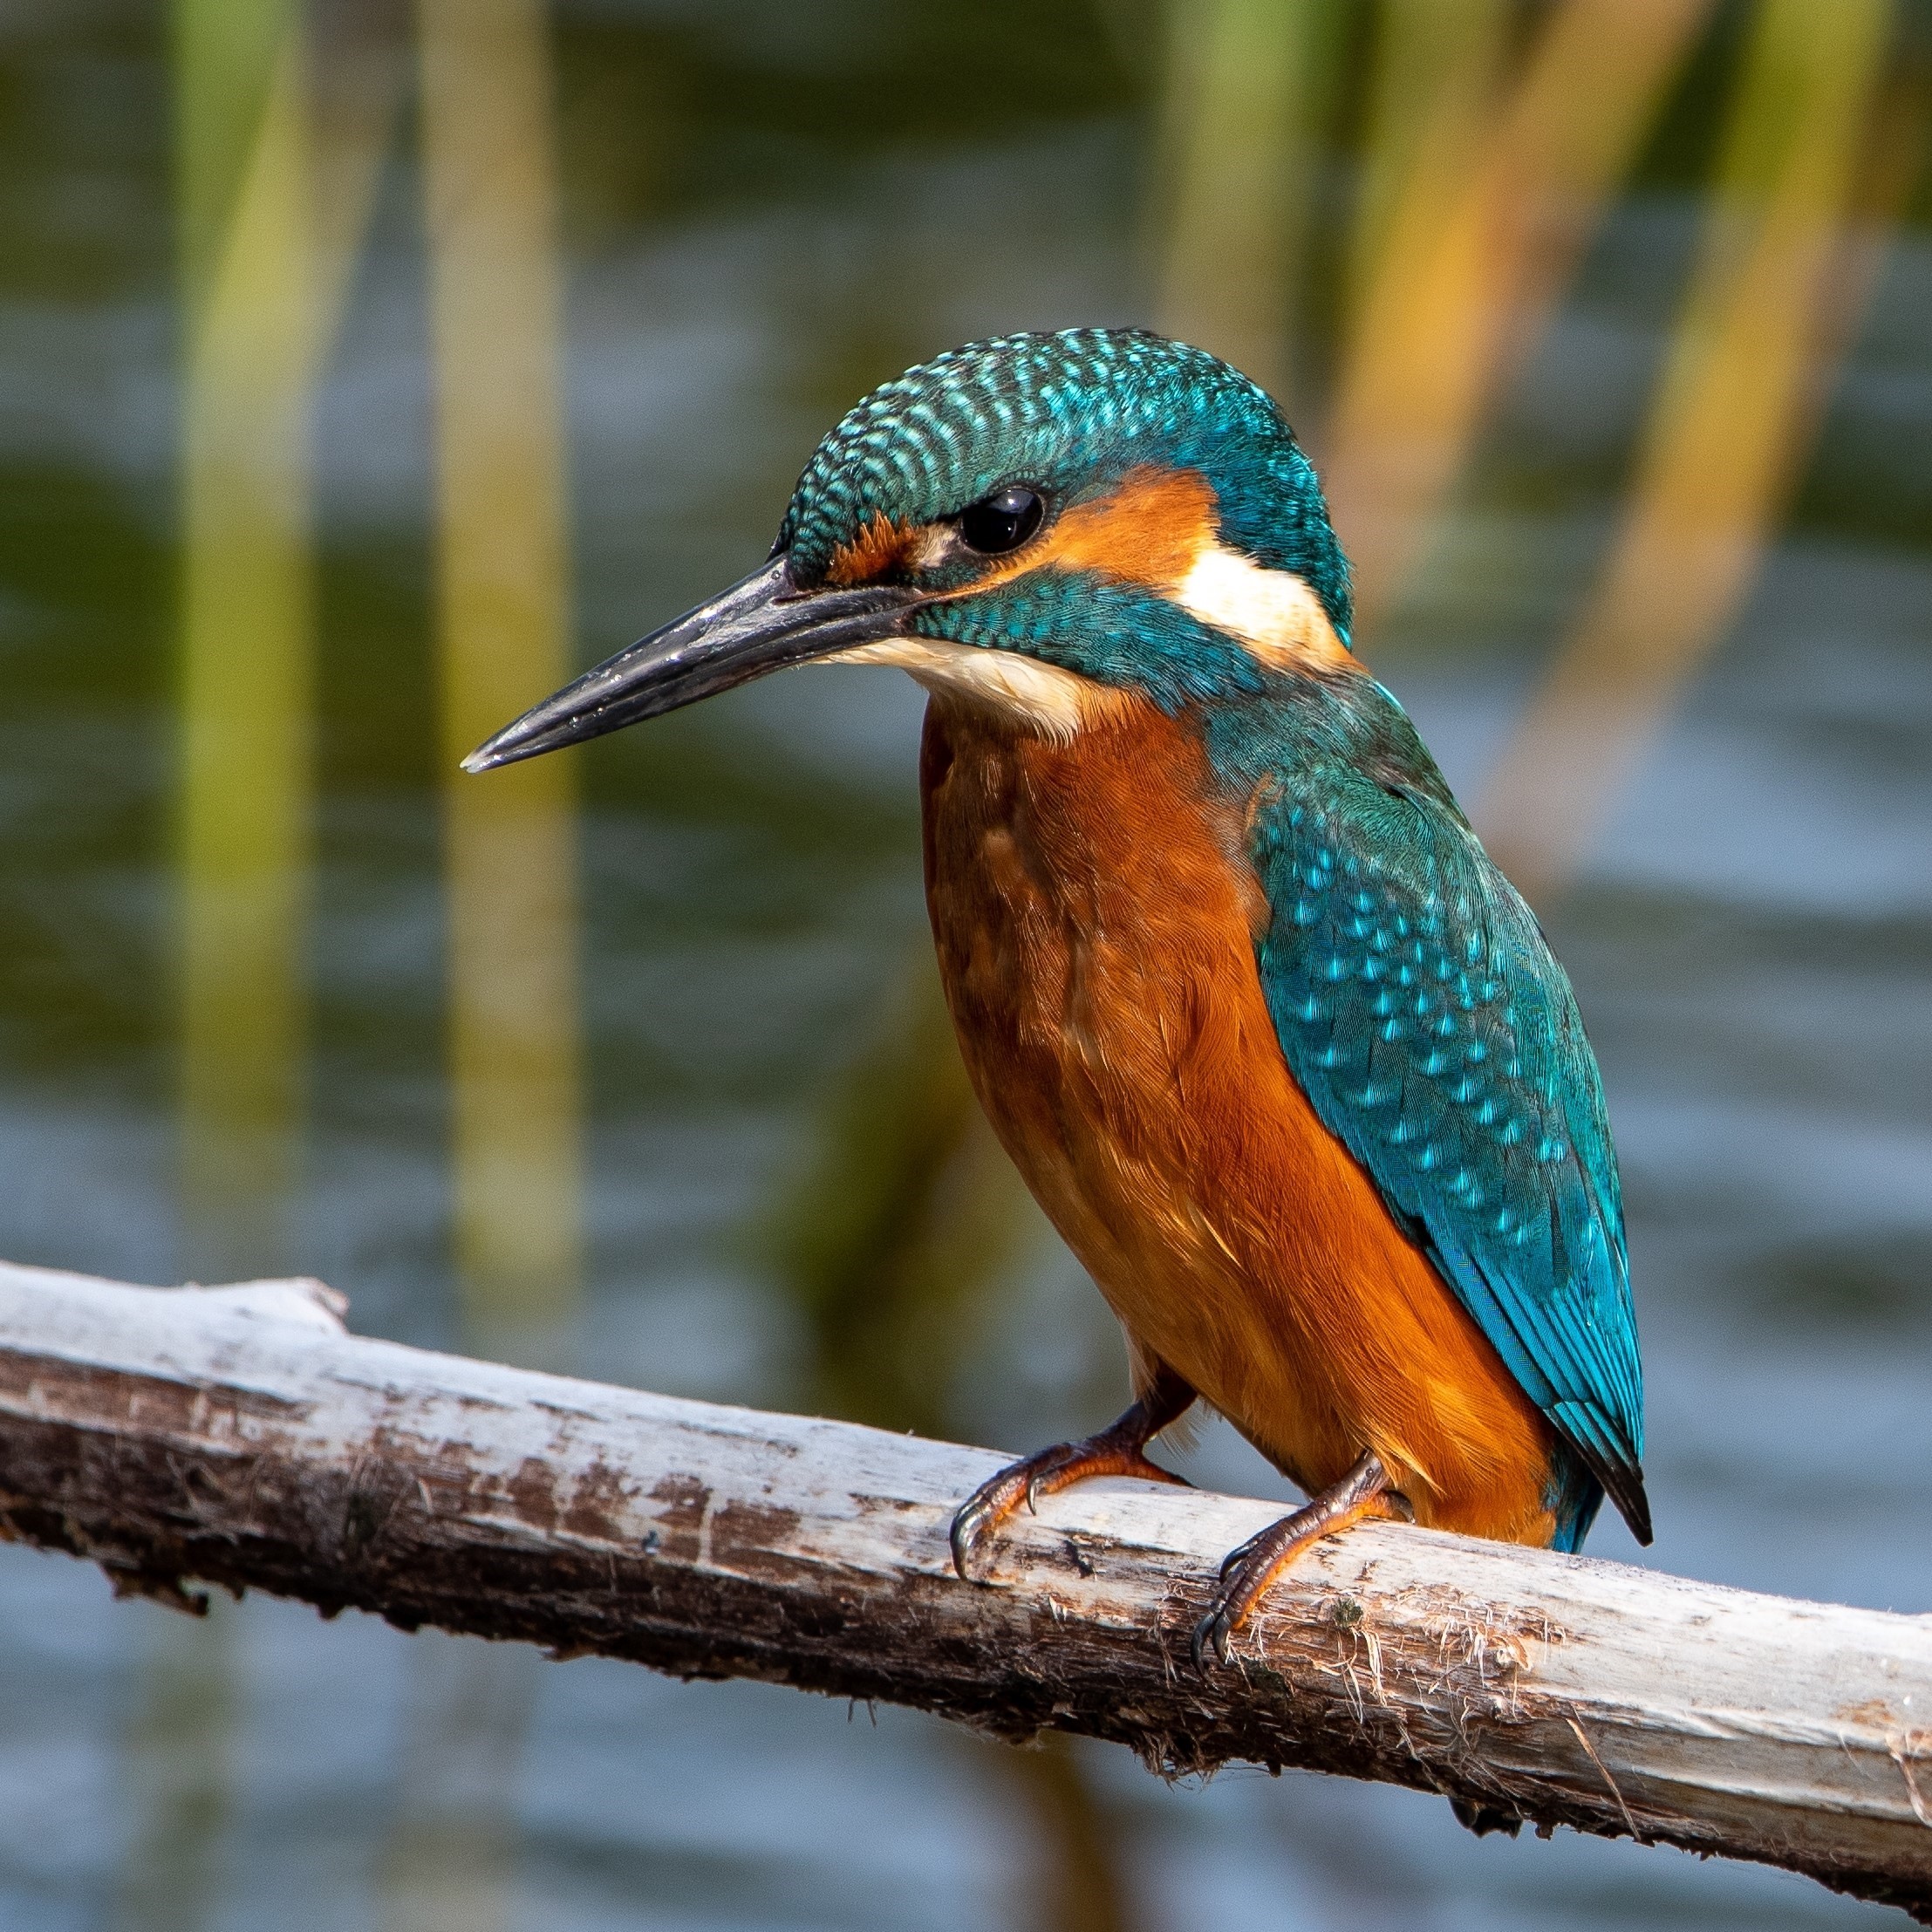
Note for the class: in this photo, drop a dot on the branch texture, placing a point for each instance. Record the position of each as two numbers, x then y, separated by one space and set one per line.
239 1436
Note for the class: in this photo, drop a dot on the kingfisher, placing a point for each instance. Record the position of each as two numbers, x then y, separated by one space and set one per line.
1284 1058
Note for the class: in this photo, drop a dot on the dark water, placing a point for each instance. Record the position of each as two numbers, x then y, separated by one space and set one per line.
766 210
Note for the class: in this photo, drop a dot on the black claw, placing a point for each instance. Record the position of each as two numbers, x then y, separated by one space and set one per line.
965 1532
1263 1553
1213 1629
1217 1628
971 1525
1051 1463
1236 1557
993 1501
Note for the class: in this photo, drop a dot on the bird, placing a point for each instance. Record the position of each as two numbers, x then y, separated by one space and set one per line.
1284 1058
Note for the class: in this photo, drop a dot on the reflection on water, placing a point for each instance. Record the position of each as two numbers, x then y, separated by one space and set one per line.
762 212
176 1776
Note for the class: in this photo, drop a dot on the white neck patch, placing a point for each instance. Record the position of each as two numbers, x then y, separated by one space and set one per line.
1272 612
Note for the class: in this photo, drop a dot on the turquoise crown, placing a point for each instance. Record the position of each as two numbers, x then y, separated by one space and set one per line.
1070 413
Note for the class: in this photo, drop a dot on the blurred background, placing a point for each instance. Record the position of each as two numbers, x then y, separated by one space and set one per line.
366 367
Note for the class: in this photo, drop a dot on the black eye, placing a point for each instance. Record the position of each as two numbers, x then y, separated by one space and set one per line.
1002 522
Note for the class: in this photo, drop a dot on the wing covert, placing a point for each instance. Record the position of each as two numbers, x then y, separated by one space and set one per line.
1433 1031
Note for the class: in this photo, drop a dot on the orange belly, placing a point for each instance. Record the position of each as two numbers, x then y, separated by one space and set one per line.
1095 921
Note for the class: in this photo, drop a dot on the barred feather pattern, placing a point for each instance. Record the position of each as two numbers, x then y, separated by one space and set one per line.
1070 412
1422 1011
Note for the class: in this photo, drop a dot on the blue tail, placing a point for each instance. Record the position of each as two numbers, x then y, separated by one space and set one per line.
1574 1495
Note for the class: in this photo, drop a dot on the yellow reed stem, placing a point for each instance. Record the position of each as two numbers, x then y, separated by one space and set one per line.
1435 71
509 864
1246 79
270 203
247 625
503 584
273 200
1460 287
1726 432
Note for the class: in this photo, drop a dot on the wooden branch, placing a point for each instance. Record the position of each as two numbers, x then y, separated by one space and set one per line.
239 1436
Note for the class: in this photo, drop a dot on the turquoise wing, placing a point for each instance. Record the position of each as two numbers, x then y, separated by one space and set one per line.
1422 1011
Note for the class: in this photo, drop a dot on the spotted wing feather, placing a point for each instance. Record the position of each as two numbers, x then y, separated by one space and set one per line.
1421 1009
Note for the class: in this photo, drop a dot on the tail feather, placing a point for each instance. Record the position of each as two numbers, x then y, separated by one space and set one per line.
1575 1497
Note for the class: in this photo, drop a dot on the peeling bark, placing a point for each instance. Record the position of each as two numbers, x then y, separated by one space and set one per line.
239 1438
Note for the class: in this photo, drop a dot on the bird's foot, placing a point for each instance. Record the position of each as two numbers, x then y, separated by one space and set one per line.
1113 1452
1247 1571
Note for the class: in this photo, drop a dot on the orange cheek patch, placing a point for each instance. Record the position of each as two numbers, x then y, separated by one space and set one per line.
1149 530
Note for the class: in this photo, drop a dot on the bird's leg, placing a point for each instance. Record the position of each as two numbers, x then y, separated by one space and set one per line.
1247 1571
1118 1450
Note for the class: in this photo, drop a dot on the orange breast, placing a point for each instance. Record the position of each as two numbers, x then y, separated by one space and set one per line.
1096 922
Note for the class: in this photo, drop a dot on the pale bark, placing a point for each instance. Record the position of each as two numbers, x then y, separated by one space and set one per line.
239 1436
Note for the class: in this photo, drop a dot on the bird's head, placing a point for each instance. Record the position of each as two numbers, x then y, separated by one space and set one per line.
1048 522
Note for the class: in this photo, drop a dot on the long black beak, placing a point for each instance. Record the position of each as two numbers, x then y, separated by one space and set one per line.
761 624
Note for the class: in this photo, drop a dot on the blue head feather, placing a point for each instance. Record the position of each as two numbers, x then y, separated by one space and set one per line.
1069 414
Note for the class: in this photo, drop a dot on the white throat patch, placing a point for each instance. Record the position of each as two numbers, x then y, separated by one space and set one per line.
1054 703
